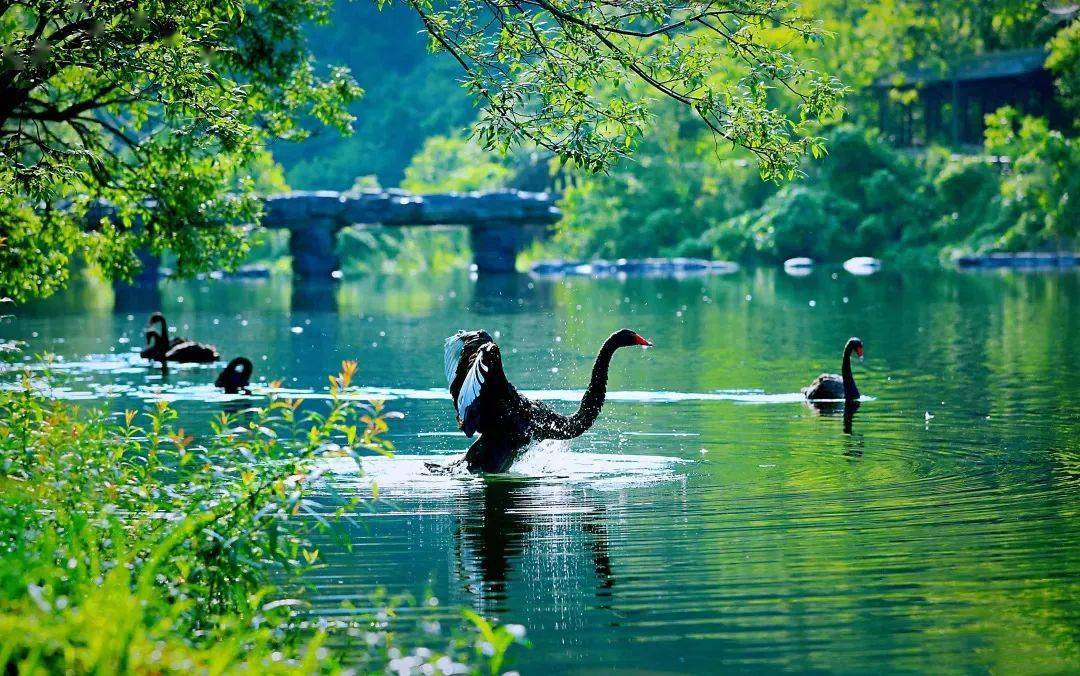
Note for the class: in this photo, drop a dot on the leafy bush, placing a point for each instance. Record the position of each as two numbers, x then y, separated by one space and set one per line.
451 164
677 187
1041 194
135 548
969 195
1064 61
34 250
865 198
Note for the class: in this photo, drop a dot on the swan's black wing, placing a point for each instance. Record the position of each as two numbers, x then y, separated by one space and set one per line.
190 352
478 384
825 386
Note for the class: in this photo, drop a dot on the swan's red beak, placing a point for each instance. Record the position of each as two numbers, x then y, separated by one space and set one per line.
858 351
641 341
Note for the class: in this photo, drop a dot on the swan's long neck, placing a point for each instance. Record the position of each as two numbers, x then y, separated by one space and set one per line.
161 346
593 400
160 320
850 391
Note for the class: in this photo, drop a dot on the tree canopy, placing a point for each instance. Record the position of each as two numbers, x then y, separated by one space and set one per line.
160 109
576 76
155 108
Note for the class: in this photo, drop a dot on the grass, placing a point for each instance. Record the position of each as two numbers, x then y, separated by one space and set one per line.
128 546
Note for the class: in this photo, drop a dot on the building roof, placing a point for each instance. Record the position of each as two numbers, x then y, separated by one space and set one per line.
992 66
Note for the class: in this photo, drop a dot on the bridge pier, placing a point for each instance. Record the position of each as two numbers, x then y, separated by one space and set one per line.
313 246
496 246
142 292
310 295
501 223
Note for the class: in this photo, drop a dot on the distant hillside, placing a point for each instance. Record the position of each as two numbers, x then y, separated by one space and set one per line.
409 96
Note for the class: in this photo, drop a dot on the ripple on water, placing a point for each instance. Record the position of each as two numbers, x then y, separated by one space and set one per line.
790 541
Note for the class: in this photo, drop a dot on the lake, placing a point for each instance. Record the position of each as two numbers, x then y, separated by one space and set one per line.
710 520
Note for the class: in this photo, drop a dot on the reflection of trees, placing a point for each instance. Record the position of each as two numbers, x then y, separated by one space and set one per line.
401 295
510 294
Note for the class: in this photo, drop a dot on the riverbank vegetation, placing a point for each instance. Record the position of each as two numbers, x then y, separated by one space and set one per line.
683 194
867 198
130 546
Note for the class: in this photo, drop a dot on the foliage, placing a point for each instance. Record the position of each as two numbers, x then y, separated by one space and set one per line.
402 250
157 109
561 74
1040 193
135 548
34 250
161 110
452 164
265 175
873 39
409 96
1064 61
857 202
869 199
969 207
675 197
865 198
674 189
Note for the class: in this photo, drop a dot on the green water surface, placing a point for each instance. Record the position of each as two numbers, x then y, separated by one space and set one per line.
710 521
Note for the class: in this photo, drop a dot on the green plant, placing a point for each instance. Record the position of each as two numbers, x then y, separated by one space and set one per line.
1041 193
132 547
1064 61
160 109
452 164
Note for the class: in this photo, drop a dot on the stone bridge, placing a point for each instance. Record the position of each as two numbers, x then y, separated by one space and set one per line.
500 223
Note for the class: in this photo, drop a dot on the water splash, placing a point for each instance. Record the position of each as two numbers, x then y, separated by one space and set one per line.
549 460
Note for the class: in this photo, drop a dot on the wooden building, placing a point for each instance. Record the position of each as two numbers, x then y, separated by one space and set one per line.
951 103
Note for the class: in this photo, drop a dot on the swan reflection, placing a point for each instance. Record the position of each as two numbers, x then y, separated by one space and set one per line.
537 535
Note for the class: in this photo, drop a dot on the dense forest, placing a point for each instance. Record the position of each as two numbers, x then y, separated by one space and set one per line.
409 96
683 194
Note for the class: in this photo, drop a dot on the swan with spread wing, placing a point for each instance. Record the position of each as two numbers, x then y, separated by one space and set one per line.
508 421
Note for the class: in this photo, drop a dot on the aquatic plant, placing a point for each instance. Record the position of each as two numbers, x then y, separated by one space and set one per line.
131 546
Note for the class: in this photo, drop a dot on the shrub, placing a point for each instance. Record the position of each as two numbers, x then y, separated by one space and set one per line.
129 546
1041 194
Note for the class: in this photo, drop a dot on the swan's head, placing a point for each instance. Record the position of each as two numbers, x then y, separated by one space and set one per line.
235 375
628 338
854 345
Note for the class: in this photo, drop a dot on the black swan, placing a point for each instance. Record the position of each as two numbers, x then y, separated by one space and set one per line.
187 352
236 376
836 387
507 421
181 350
162 329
